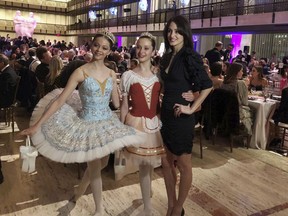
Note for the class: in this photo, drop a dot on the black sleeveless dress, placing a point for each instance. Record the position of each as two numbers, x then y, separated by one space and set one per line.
186 72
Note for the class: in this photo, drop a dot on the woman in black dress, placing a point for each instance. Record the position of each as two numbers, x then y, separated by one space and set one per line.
182 71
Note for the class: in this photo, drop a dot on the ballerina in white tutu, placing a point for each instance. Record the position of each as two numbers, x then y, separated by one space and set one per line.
68 129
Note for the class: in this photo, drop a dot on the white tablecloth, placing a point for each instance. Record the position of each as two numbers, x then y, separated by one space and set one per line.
263 111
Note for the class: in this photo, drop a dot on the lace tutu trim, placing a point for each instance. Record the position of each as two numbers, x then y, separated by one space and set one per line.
66 138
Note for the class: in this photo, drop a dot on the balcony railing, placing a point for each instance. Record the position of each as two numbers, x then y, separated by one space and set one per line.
41 28
45 6
207 11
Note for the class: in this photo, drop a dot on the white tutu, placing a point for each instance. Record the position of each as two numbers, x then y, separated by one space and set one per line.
67 138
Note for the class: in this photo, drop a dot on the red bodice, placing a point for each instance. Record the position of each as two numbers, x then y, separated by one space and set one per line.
141 96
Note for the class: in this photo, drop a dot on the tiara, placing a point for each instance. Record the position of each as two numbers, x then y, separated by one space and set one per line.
107 34
149 35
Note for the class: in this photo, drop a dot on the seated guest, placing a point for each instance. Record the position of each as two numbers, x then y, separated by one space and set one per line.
52 80
225 67
112 65
272 68
281 114
256 80
240 57
216 70
68 70
233 82
264 65
133 63
205 61
252 63
42 70
8 82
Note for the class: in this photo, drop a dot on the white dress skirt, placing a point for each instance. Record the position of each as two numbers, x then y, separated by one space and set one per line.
84 128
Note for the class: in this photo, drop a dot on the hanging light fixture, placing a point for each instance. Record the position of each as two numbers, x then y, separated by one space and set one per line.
113 10
143 5
184 2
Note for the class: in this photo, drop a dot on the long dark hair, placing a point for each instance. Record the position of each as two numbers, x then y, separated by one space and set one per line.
232 72
183 27
259 69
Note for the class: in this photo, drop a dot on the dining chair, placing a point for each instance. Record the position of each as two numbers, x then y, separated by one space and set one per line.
225 118
279 131
204 122
276 88
199 128
9 111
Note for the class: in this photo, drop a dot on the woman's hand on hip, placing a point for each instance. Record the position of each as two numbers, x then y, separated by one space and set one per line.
179 109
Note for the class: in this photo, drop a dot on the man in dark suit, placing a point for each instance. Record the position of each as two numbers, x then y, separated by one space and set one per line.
227 53
214 54
8 81
68 70
42 70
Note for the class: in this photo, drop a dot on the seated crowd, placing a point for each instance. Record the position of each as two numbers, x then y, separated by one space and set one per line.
45 66
246 74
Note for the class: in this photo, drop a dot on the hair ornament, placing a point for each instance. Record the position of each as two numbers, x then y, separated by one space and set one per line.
149 35
107 34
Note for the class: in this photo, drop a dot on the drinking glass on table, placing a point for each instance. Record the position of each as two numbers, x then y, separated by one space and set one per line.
266 94
253 90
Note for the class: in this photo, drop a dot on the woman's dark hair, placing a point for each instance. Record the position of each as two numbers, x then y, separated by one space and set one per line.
259 69
227 64
216 69
40 51
183 27
232 72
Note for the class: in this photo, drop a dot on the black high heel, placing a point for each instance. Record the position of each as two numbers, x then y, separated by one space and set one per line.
182 212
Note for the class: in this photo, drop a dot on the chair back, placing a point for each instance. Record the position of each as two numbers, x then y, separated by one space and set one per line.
225 114
18 78
40 90
276 88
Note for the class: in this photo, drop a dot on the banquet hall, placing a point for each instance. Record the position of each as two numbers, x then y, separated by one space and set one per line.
232 174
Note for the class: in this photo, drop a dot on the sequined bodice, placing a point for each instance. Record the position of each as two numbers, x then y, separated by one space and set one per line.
95 97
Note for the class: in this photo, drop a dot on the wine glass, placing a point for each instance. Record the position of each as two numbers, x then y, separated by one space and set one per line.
266 94
253 90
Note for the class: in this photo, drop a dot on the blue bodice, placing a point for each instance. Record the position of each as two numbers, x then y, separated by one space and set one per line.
94 99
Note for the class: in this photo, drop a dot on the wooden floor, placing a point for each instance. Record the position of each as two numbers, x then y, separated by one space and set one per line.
245 182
